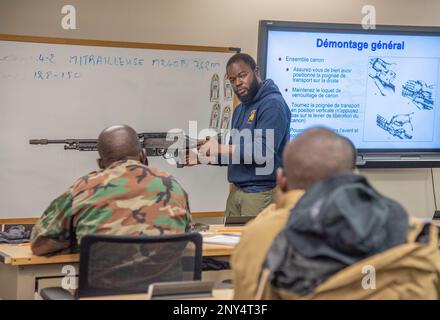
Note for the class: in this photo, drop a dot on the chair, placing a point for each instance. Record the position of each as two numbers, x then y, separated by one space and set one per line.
180 290
111 265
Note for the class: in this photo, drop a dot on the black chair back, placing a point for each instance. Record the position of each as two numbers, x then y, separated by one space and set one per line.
112 265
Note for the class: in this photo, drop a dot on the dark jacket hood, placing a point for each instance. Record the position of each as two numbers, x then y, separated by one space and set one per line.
336 223
268 87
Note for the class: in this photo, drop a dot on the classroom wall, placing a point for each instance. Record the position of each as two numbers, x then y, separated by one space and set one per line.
228 23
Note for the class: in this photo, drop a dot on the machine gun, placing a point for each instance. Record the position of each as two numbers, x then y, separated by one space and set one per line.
155 144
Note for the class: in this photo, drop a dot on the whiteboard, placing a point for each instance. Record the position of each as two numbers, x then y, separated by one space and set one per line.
60 91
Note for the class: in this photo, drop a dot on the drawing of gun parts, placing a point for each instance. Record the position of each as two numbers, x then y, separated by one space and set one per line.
400 125
214 95
227 89
383 75
214 121
420 93
226 118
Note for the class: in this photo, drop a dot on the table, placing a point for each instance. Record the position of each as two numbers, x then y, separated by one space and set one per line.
23 274
217 294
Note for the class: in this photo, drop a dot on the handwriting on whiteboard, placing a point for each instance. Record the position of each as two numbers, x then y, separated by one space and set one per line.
98 60
198 64
56 75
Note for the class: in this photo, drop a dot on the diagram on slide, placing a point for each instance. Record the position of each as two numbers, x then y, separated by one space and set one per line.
399 125
383 74
420 93
400 100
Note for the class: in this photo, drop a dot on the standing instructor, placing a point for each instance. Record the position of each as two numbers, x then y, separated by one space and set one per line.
259 133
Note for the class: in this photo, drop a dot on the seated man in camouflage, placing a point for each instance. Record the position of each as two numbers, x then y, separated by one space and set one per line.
125 197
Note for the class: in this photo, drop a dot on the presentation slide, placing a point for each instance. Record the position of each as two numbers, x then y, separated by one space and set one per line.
380 91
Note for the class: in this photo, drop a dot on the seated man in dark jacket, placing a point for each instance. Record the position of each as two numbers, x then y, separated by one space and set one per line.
344 240
313 156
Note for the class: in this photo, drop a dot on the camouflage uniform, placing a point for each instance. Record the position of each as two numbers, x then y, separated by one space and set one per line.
127 198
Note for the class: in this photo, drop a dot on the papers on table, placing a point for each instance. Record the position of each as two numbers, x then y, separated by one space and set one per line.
225 239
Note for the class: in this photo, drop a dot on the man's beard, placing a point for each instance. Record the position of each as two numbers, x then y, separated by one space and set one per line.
253 89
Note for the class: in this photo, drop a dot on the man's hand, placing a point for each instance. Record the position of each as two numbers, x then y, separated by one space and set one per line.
209 148
212 148
208 151
191 159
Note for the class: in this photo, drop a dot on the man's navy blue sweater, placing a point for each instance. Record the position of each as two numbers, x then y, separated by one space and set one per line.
267 110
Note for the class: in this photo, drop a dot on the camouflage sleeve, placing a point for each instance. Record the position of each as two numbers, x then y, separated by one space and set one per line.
188 215
52 231
178 218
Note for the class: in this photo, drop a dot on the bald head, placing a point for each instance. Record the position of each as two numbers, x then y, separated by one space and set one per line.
118 142
317 154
